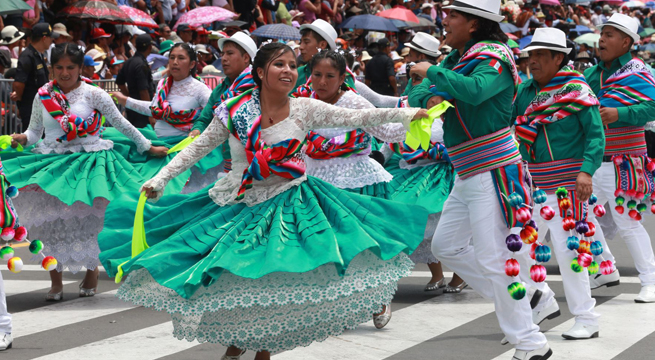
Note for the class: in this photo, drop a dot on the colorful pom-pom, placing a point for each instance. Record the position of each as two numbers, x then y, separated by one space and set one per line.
618 192
606 267
599 210
573 243
585 260
651 166
538 273
533 224
512 267
547 213
592 230
523 215
652 208
8 234
641 207
533 250
15 264
6 253
568 223
561 193
12 191
619 200
529 235
36 247
20 234
539 196
632 204
581 227
515 199
49 263
593 268
631 193
514 243
575 266
516 290
584 247
640 195
596 248
564 204
619 209
542 253
634 215
617 160
593 199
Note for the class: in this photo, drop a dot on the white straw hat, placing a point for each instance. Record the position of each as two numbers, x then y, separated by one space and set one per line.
625 24
325 30
426 44
548 38
243 40
487 9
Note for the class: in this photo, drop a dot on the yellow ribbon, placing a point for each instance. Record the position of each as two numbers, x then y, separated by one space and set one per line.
138 235
420 131
181 145
5 143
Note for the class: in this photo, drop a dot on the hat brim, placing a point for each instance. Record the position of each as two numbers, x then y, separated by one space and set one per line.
102 37
164 50
476 12
22 34
423 51
623 29
250 52
553 48
332 44
61 33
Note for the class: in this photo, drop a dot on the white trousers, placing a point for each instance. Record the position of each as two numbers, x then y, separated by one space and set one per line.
5 317
576 285
472 212
632 232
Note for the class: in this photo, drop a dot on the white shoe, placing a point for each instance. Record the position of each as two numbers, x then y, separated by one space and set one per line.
581 331
539 354
548 313
598 280
383 319
6 341
646 295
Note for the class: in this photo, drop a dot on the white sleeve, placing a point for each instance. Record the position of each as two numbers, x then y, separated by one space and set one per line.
381 101
391 133
101 101
140 106
35 130
215 134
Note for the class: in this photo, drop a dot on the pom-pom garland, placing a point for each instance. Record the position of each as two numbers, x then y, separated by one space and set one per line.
12 192
36 247
49 263
516 290
7 252
15 264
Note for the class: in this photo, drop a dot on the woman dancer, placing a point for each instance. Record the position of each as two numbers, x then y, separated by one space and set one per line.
68 178
178 101
269 259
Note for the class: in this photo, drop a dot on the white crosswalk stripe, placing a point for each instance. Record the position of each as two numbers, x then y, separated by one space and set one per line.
416 327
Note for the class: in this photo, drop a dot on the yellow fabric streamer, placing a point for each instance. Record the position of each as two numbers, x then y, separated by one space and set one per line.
181 145
420 131
138 235
5 143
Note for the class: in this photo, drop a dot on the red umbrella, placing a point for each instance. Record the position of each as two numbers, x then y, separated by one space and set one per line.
512 36
399 13
139 18
96 10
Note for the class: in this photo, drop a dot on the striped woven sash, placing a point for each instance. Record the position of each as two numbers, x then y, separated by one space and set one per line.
549 176
628 140
484 154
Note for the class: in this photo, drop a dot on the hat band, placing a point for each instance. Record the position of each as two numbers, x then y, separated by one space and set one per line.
419 46
468 6
539 43
9 38
615 24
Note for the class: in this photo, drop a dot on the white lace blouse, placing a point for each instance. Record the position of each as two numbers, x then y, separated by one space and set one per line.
304 115
185 94
83 100
359 170
381 101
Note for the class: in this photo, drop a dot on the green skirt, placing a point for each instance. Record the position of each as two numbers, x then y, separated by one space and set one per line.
294 269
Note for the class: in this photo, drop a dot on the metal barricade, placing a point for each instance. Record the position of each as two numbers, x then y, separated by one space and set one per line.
9 118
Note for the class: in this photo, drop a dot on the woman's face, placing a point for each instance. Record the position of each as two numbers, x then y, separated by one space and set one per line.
326 79
179 64
280 74
66 73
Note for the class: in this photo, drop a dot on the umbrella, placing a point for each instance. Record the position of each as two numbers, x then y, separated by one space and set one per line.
205 15
648 47
399 13
139 18
96 10
634 4
647 32
422 23
512 36
370 22
512 44
590 40
581 29
550 2
651 4
525 41
278 31
13 7
508 28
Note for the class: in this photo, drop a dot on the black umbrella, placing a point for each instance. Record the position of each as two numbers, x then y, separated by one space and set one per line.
368 22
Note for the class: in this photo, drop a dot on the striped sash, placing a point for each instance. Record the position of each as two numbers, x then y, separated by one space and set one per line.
549 176
485 153
628 140
632 174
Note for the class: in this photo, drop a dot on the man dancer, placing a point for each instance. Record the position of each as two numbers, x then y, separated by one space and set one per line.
626 91
563 145
480 77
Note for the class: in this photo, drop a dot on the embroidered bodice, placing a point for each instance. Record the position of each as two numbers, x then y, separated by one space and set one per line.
185 94
358 170
304 115
83 100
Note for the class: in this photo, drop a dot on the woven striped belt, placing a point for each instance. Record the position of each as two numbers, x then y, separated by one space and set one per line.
484 154
549 176
628 140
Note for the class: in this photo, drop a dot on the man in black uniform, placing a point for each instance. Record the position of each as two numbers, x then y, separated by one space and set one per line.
380 73
136 73
32 71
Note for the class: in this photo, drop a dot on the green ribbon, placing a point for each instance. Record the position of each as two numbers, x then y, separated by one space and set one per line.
5 143
138 235
181 145
420 131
